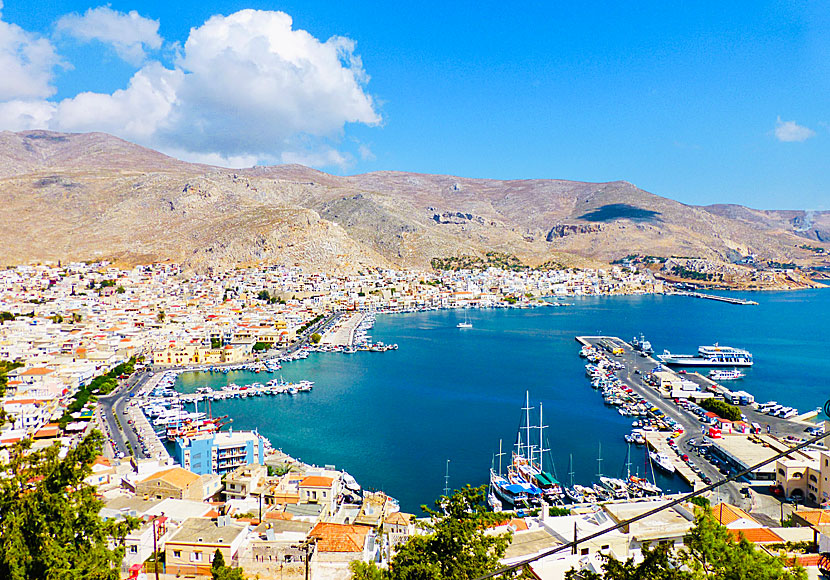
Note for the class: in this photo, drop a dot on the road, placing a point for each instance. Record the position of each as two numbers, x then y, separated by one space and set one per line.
116 404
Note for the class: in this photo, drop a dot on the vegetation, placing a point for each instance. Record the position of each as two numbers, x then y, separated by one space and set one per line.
815 249
100 385
310 323
709 553
221 572
316 337
260 346
489 260
454 545
5 367
50 525
782 265
723 409
215 343
5 315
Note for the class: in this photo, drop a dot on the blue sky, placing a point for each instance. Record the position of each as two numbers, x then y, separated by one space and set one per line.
702 102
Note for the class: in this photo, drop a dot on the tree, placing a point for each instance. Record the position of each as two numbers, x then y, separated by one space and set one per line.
710 553
316 337
455 545
50 525
221 572
161 316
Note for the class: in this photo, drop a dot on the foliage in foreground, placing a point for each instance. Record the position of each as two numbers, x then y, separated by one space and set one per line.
710 553
219 571
50 525
453 547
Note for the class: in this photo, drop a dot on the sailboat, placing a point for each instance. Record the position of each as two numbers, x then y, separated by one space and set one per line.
526 482
466 323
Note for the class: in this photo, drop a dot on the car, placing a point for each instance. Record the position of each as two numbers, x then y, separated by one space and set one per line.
776 490
685 458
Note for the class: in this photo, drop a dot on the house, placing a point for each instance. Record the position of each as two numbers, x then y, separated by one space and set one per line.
178 483
342 542
399 527
319 489
190 550
242 481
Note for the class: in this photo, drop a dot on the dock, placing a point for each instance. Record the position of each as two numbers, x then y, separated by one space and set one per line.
659 442
726 299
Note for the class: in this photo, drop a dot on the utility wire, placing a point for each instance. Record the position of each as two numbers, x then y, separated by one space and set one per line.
651 512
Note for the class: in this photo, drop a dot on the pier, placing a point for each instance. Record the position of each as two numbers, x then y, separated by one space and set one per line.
659 442
718 298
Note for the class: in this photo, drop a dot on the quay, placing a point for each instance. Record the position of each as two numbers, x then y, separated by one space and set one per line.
659 442
726 299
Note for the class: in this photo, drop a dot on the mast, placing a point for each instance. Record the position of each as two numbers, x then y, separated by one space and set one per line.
500 455
599 460
529 454
542 449
628 462
447 480
571 469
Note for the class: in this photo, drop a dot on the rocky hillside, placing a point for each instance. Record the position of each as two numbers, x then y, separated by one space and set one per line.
93 196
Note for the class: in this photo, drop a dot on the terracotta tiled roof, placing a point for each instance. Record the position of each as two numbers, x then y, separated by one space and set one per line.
815 517
316 481
756 535
177 476
279 516
726 514
339 537
36 371
399 518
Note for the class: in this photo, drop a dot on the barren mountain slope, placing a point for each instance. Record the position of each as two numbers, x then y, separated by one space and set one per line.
95 196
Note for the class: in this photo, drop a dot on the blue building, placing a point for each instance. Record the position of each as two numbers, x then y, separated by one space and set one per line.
220 452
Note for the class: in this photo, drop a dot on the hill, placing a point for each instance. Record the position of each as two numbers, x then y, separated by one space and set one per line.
94 196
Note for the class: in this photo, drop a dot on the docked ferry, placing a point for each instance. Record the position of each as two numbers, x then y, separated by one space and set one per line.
709 356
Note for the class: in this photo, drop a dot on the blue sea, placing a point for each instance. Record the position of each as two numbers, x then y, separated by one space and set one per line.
393 419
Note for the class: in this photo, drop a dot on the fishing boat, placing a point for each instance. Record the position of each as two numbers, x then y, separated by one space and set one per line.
709 356
642 345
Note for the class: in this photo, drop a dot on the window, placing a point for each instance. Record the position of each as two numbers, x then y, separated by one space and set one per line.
196 557
781 471
177 553
798 475
133 549
584 552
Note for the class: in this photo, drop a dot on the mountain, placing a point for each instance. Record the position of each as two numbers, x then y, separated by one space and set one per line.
94 196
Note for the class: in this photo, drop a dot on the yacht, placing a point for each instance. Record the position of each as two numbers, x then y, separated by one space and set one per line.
709 356
466 323
662 461
727 375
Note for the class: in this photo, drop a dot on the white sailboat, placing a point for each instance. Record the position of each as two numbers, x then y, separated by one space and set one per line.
466 323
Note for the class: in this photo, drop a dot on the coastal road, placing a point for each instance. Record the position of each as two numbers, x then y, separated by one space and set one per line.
115 404
636 367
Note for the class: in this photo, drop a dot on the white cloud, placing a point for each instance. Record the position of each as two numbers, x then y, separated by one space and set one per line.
790 131
130 34
245 87
26 63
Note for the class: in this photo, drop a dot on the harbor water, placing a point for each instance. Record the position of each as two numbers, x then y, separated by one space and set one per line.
393 419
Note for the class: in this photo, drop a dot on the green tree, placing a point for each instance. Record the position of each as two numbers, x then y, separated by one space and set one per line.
50 525
161 316
221 572
454 545
710 553
316 337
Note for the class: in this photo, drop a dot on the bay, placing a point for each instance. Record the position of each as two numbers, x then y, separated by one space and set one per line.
393 419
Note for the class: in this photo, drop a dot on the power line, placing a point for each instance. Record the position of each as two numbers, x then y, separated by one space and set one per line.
572 545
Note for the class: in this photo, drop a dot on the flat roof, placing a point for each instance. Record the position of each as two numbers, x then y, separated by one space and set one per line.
748 451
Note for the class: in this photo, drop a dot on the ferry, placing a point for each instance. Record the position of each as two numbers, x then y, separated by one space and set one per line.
709 356
729 375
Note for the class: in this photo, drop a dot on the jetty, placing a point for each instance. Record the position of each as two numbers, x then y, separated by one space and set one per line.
659 442
726 299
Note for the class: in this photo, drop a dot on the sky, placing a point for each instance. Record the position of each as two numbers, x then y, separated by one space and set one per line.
702 102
